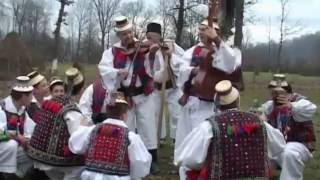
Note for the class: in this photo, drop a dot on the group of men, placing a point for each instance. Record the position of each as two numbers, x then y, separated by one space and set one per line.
110 130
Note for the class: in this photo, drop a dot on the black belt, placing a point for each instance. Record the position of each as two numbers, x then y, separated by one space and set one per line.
159 85
131 91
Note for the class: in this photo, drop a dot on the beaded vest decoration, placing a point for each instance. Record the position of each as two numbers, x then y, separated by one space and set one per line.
108 150
49 142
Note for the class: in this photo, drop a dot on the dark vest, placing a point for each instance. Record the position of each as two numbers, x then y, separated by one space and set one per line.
238 149
33 111
49 142
98 96
14 121
119 61
108 150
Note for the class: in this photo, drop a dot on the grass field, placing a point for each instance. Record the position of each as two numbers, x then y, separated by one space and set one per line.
308 86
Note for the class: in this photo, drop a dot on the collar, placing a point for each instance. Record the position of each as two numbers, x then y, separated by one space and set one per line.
115 122
9 106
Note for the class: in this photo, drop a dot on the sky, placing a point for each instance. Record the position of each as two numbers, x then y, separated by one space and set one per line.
304 18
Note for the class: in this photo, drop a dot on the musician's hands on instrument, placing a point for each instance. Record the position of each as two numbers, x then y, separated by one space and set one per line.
283 99
154 48
123 73
211 33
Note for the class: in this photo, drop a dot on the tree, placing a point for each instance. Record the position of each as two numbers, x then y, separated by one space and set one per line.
19 14
105 11
81 17
285 31
61 19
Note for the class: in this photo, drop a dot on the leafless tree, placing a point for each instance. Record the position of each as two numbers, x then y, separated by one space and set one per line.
105 11
285 30
139 15
81 17
61 19
19 14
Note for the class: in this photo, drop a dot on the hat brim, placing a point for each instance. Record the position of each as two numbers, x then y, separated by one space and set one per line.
123 28
23 88
229 98
36 80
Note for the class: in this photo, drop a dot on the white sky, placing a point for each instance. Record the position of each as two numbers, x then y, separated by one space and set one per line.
305 12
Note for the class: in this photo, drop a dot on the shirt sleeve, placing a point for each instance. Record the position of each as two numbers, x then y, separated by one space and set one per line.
226 58
73 119
79 141
193 150
303 110
3 120
29 126
158 67
276 142
185 68
85 102
140 158
108 73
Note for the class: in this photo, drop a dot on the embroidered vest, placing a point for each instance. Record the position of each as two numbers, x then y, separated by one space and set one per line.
238 149
108 150
49 141
98 96
33 111
120 59
14 121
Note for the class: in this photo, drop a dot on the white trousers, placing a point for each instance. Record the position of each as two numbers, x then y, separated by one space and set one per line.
13 159
292 161
65 173
174 109
141 117
193 113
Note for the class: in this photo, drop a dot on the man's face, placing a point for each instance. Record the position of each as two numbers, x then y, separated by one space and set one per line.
201 33
26 99
126 37
58 91
153 37
42 89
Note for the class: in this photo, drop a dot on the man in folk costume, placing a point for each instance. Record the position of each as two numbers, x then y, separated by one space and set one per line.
132 72
230 145
16 128
224 60
112 151
172 92
94 100
40 91
60 117
293 115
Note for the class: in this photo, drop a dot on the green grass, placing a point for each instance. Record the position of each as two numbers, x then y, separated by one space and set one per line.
308 86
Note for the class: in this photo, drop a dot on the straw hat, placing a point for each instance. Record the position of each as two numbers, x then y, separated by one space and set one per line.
225 93
35 78
122 24
22 84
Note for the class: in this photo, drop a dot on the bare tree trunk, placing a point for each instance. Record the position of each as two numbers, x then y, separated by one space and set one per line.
180 22
239 23
57 30
79 41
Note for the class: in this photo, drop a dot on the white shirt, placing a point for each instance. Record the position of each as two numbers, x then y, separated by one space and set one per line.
140 159
86 100
29 124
